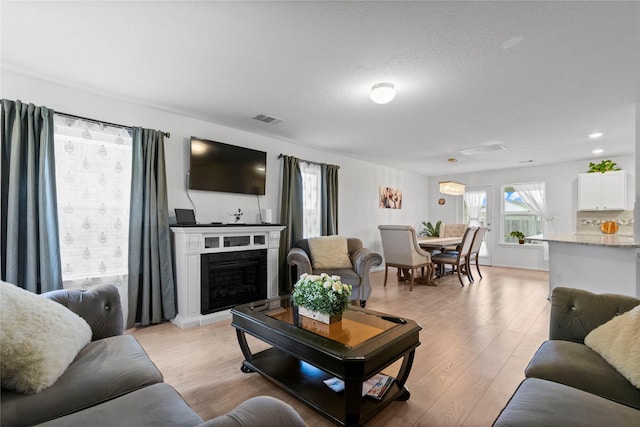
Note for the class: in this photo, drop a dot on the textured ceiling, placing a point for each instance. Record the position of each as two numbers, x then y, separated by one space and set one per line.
534 76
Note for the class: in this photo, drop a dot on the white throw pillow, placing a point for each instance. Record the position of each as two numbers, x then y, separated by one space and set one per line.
39 338
618 342
329 252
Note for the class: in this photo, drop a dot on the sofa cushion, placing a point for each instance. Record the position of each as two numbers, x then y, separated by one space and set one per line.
618 342
576 365
103 370
329 252
263 411
158 405
543 403
38 339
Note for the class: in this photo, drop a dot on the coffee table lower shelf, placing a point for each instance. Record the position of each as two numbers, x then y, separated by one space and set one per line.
305 382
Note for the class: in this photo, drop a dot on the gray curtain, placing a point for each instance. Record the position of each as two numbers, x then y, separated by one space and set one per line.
30 245
151 286
329 200
291 215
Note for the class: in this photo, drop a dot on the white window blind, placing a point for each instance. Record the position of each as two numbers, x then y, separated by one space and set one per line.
93 181
311 180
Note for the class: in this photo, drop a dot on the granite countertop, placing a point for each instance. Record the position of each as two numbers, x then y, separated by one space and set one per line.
612 240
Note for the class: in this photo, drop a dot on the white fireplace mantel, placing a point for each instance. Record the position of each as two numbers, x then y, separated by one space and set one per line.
189 243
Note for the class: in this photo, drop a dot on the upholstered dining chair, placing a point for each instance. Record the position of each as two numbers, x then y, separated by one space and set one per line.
458 259
474 252
401 249
453 230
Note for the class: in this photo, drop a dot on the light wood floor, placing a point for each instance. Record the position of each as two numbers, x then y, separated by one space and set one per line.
476 342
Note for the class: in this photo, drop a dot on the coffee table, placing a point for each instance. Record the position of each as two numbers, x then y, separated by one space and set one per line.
305 352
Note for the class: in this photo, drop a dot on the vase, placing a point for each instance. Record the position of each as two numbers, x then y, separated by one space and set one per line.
320 317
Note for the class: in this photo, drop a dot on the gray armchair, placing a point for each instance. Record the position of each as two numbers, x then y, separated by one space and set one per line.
362 260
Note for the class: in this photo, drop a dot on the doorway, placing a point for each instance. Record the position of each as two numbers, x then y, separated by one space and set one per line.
476 211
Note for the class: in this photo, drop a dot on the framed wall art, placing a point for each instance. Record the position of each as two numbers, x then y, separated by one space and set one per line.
390 198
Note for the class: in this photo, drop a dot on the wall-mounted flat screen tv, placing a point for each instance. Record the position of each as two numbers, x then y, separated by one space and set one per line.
216 166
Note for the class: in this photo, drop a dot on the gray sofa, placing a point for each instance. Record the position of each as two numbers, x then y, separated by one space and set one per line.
567 383
362 259
112 382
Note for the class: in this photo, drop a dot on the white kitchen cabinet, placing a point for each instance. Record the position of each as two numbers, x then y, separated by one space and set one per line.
602 191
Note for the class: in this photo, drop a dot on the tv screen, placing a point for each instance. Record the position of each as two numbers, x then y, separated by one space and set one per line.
216 166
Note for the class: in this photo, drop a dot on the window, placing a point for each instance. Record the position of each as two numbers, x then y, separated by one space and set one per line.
311 187
474 208
93 185
518 216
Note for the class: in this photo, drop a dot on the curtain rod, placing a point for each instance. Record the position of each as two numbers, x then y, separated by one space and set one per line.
308 161
100 122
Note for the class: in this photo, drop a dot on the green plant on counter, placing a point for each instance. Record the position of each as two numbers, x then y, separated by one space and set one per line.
603 166
518 235
430 230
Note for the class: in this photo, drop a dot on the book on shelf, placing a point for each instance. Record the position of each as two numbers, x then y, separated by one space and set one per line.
378 385
374 387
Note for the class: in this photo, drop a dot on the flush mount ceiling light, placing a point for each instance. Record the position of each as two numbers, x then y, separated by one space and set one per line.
451 187
597 151
595 135
383 93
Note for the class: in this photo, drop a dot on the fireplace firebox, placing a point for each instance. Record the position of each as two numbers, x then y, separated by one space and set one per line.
232 278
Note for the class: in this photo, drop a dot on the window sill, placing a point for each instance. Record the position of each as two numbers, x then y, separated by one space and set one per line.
518 245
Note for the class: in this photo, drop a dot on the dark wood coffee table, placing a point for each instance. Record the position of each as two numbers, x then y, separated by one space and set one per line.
305 352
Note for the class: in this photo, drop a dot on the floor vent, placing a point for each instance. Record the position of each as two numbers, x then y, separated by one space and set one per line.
267 119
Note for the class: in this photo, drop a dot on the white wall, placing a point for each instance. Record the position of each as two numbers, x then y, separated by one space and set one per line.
562 199
358 216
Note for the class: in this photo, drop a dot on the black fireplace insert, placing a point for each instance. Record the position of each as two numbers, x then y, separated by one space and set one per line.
232 278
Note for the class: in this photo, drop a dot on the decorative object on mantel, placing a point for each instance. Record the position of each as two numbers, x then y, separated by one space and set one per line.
518 235
603 166
609 227
237 216
323 298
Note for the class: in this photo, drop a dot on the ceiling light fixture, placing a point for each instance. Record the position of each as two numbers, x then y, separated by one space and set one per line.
451 187
383 93
597 151
595 135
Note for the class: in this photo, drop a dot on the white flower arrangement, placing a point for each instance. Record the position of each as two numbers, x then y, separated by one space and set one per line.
324 294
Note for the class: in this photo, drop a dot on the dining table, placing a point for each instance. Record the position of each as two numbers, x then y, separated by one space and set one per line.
439 243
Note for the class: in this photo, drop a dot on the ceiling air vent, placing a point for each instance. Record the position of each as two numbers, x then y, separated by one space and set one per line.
267 119
482 149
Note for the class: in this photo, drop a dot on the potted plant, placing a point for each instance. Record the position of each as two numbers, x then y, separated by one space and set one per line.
323 298
518 235
603 166
430 230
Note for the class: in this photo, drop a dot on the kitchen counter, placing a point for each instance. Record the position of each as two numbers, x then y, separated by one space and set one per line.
600 263
611 240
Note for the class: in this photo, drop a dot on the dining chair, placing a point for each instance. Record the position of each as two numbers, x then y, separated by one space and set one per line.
457 260
401 249
453 230
474 252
